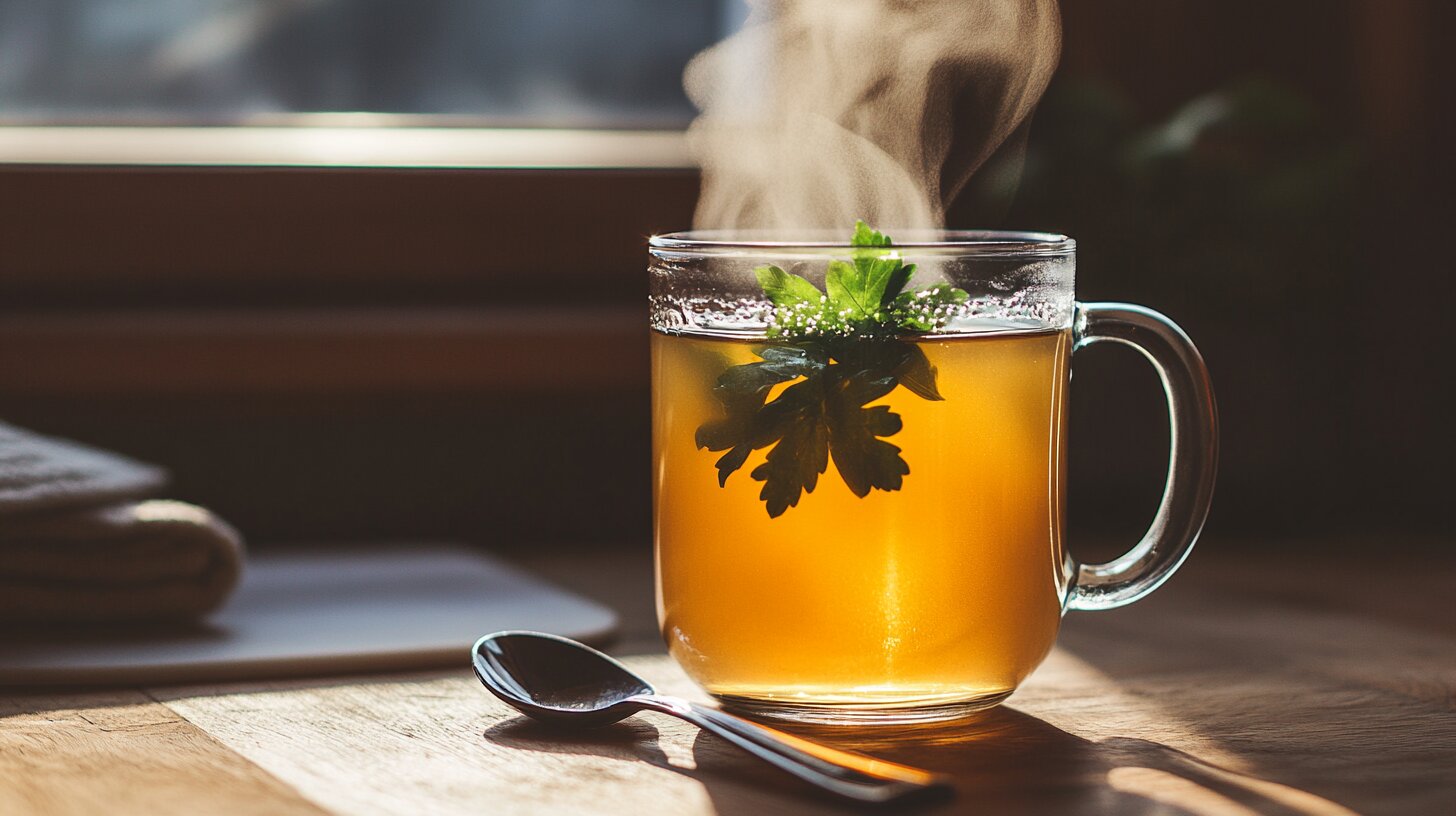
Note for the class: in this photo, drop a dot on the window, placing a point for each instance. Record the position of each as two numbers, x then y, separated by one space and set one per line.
332 220
532 63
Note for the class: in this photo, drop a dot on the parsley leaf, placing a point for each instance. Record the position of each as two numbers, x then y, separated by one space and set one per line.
843 349
916 375
820 415
786 289
867 236
861 289
749 424
864 460
927 309
793 466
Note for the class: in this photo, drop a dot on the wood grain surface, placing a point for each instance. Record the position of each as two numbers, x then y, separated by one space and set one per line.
122 752
1294 686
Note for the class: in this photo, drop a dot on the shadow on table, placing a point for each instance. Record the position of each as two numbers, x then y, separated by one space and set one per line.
1322 705
1004 761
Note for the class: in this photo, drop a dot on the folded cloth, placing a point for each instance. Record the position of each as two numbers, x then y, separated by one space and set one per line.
40 473
79 543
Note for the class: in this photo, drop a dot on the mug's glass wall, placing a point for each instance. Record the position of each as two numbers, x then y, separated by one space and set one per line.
860 520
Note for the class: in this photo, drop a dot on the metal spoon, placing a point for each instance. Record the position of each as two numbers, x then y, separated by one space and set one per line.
563 682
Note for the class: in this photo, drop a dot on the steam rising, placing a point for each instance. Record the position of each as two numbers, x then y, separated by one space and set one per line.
822 111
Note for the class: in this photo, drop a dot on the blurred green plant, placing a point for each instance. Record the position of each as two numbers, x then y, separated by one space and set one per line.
1246 195
1238 214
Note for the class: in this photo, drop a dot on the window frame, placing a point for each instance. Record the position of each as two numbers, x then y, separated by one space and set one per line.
265 254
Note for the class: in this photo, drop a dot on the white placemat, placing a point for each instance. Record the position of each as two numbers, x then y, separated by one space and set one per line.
319 611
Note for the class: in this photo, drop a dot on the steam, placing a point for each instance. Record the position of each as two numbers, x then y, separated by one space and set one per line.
819 112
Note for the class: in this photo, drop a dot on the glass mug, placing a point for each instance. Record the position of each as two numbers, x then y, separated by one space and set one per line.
919 571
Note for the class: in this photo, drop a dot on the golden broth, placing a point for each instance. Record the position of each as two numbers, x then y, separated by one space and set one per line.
945 591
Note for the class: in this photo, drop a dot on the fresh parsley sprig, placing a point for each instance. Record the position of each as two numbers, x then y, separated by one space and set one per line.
862 297
841 349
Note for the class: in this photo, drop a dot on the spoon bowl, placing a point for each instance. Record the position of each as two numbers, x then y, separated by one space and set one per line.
556 680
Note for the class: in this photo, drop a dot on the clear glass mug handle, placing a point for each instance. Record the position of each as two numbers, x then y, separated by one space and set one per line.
1192 455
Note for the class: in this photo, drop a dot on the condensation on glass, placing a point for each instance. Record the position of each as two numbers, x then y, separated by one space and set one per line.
704 282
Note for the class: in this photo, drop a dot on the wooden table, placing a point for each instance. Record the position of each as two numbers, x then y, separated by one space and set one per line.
1269 680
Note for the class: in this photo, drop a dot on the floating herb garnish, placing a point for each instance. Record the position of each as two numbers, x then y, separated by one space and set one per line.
839 350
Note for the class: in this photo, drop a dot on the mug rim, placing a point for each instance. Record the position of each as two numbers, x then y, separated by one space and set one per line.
1000 243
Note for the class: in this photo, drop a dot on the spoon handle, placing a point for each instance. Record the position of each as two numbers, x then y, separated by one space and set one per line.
852 776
